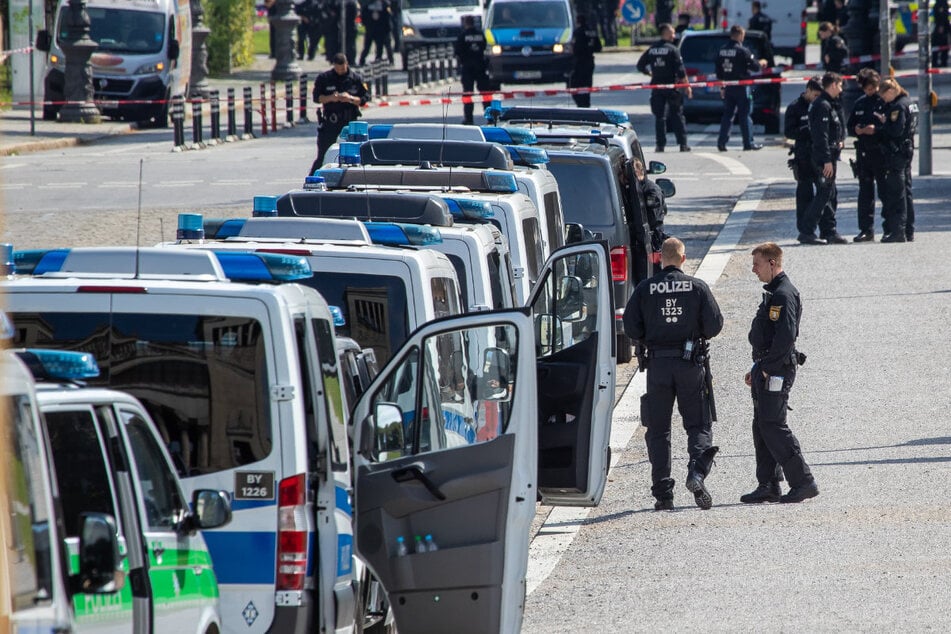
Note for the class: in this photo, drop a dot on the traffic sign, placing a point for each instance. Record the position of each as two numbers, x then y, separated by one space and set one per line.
632 11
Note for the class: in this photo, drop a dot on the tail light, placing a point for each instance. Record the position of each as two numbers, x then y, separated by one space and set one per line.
725 22
292 533
619 257
693 72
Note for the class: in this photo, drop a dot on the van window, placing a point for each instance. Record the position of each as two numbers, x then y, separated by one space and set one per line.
460 267
81 472
551 220
494 260
445 297
163 502
591 205
202 378
307 390
533 239
330 382
539 15
121 30
28 544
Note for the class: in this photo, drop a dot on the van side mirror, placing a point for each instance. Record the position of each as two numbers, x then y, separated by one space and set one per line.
569 303
656 167
383 437
575 232
210 509
667 186
100 569
174 49
496 375
43 41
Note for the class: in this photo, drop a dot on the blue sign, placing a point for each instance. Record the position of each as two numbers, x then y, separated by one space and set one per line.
633 11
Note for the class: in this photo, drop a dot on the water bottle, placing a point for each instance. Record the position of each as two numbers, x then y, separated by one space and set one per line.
401 550
430 544
419 545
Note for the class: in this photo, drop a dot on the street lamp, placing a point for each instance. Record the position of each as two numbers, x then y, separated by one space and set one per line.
284 21
78 48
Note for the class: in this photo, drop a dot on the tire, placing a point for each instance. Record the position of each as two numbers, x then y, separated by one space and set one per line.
624 354
50 112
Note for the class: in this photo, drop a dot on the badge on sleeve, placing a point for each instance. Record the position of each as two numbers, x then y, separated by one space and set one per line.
894 115
774 312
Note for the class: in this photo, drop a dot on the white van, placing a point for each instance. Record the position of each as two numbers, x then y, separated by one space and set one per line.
144 57
434 22
241 381
789 24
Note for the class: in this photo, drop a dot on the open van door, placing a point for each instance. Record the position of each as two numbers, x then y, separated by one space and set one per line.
446 443
573 316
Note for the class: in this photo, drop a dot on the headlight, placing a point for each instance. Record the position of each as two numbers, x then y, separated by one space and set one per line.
496 49
558 48
154 67
54 59
409 31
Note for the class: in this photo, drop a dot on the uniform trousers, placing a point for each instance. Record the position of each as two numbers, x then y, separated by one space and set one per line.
736 102
821 212
668 102
870 177
474 77
582 76
777 449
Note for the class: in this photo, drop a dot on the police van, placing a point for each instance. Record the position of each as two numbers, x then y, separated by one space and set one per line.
788 35
110 542
237 368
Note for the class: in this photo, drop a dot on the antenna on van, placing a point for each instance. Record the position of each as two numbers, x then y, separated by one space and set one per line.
138 221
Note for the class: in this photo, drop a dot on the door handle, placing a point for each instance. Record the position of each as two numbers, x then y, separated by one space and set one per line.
415 472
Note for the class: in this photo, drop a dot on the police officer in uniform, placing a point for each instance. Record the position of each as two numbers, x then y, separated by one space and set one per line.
663 63
759 21
834 52
869 157
470 49
899 124
827 130
584 44
341 92
671 313
797 129
735 61
775 360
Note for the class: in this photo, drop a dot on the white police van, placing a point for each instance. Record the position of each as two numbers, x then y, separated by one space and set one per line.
241 382
101 537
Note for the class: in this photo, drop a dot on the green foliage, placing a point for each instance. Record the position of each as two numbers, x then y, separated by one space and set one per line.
230 42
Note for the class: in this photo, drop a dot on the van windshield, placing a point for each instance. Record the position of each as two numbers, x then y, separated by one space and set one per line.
528 15
121 30
595 203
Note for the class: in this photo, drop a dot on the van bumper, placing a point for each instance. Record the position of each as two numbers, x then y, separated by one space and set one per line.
147 96
512 67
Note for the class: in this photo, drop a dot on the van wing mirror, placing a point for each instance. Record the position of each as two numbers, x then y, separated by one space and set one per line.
656 167
496 375
211 509
43 41
575 232
667 186
100 565
174 49
382 437
570 299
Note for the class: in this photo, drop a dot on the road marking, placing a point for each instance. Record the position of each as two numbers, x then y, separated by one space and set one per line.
10 166
11 187
734 166
170 184
563 523
62 186
118 184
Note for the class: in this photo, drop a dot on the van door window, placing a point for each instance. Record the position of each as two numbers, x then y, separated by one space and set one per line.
304 362
566 308
445 296
164 507
551 221
495 280
333 396
533 239
460 267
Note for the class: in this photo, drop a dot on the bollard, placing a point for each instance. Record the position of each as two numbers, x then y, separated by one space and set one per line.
410 70
385 86
442 64
378 78
248 122
303 99
178 120
273 106
196 122
368 78
289 101
215 101
232 122
263 110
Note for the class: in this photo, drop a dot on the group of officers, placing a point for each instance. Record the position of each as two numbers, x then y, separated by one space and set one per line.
320 19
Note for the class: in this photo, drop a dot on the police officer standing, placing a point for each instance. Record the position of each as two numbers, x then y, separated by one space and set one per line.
584 44
899 124
759 21
775 359
470 49
672 314
869 157
663 63
827 130
797 129
341 92
734 62
834 52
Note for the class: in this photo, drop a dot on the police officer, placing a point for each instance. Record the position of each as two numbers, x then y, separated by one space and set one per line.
775 360
869 156
796 129
834 52
827 130
899 124
308 29
341 92
663 63
759 21
940 35
470 49
584 44
671 313
735 61
652 200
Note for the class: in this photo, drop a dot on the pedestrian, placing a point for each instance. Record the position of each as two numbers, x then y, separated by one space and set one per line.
899 123
940 35
650 195
584 44
841 15
308 29
735 62
709 8
797 130
271 8
827 130
340 92
375 16
470 49
330 26
834 52
683 24
663 63
775 360
759 21
350 22
673 315
869 166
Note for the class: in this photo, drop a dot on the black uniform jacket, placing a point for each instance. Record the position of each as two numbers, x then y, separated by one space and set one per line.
898 131
826 129
776 327
329 82
671 307
470 48
835 54
663 63
585 43
735 61
863 114
796 128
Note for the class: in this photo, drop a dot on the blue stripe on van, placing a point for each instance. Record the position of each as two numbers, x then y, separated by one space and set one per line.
342 499
344 554
244 505
243 557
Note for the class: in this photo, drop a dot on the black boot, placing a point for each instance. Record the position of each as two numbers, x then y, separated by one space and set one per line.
697 472
769 492
664 492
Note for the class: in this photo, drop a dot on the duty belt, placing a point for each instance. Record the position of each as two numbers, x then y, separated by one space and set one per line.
665 353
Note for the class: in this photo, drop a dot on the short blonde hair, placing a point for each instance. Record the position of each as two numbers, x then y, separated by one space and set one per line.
771 251
672 251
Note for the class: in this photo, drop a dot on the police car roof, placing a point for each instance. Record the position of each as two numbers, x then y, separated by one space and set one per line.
563 115
328 229
436 131
437 152
367 205
460 179
142 263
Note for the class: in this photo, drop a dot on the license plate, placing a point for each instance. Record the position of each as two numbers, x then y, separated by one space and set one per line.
528 74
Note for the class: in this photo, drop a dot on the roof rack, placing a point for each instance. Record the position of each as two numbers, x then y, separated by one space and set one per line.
444 153
388 206
491 181
557 115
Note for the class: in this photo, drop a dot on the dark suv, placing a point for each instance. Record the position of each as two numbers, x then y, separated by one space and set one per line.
699 51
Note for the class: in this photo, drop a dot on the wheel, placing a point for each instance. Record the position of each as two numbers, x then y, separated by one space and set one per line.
623 349
50 112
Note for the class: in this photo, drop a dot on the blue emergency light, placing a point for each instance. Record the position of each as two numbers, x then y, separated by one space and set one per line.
39 261
509 135
7 266
332 176
501 182
59 365
315 183
190 227
471 209
263 267
399 234
527 155
337 315
220 230
358 131
349 153
264 206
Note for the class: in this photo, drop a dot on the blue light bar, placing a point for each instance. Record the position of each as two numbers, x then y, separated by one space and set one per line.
263 267
332 176
39 261
7 266
190 227
471 209
217 229
60 365
315 183
616 116
349 153
337 315
501 182
358 131
522 155
375 131
398 234
264 206
509 135
6 327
